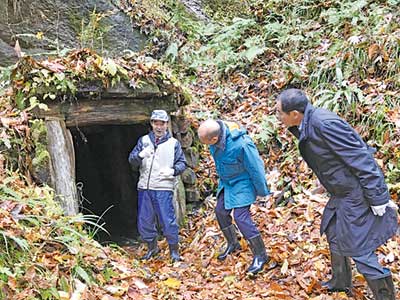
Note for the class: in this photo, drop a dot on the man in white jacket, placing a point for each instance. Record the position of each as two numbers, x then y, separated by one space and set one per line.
159 158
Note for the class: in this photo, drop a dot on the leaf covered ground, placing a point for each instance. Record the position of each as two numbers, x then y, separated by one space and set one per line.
234 71
291 235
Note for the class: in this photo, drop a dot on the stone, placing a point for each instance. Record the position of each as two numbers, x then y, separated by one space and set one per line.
192 157
186 139
44 27
189 177
181 125
192 195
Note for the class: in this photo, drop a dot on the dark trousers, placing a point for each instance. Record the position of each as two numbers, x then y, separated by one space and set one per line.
240 214
366 264
153 205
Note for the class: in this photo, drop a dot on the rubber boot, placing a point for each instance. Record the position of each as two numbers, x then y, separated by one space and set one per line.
174 252
341 275
152 250
260 257
232 242
383 288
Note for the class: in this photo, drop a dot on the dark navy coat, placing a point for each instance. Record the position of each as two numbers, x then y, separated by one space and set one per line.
345 166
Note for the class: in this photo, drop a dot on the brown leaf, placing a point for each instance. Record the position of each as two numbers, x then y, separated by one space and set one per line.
373 51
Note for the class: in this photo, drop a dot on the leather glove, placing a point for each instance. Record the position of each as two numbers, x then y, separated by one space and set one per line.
167 172
146 152
380 210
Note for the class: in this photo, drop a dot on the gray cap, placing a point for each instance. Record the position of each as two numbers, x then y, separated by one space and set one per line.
160 115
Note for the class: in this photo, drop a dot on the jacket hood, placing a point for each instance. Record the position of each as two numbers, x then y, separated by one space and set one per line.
234 130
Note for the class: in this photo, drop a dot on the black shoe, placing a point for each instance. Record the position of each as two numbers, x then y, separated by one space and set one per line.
174 253
341 275
232 242
260 257
383 288
152 250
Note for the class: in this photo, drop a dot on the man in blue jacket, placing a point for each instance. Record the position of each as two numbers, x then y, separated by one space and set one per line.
359 217
241 178
159 158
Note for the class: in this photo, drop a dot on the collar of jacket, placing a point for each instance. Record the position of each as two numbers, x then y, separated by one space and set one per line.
222 136
229 129
303 134
162 140
306 120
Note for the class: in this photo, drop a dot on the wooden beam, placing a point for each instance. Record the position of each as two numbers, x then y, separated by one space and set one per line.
107 111
62 165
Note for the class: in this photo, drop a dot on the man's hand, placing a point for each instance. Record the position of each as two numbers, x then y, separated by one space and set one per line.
380 210
167 172
146 152
393 205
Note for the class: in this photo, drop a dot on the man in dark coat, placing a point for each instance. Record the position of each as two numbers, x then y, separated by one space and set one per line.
359 217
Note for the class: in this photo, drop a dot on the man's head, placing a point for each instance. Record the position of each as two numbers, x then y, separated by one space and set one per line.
159 122
290 107
209 131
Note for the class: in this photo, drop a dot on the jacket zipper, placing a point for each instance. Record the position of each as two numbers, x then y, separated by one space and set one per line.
151 168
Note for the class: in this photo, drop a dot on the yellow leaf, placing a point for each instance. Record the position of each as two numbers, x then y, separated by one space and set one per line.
230 278
285 267
172 283
63 295
319 265
116 290
39 35
359 277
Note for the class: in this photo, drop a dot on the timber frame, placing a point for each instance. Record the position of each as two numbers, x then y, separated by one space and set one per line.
119 105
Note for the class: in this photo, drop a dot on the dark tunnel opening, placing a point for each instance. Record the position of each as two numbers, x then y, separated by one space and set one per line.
105 180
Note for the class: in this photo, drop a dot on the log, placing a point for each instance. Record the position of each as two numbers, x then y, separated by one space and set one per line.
179 202
62 165
106 111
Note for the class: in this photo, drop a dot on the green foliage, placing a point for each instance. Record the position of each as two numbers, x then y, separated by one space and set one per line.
43 85
93 30
5 78
39 139
226 10
228 48
343 53
40 225
268 135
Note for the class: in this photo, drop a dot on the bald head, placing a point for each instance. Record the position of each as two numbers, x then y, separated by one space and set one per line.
209 131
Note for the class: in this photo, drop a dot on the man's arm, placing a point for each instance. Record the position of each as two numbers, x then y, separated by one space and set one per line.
254 166
179 160
353 152
134 159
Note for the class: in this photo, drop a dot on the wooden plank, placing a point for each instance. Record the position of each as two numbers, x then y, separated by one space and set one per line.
107 111
62 165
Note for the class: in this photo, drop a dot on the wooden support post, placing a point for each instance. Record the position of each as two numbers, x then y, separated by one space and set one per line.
62 165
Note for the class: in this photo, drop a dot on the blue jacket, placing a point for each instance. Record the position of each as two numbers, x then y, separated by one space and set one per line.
345 166
239 167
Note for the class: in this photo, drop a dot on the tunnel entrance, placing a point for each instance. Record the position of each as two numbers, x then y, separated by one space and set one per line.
106 183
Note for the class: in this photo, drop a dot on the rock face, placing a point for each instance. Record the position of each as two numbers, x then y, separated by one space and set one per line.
196 8
47 26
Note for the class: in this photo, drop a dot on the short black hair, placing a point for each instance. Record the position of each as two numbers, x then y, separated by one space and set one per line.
293 99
